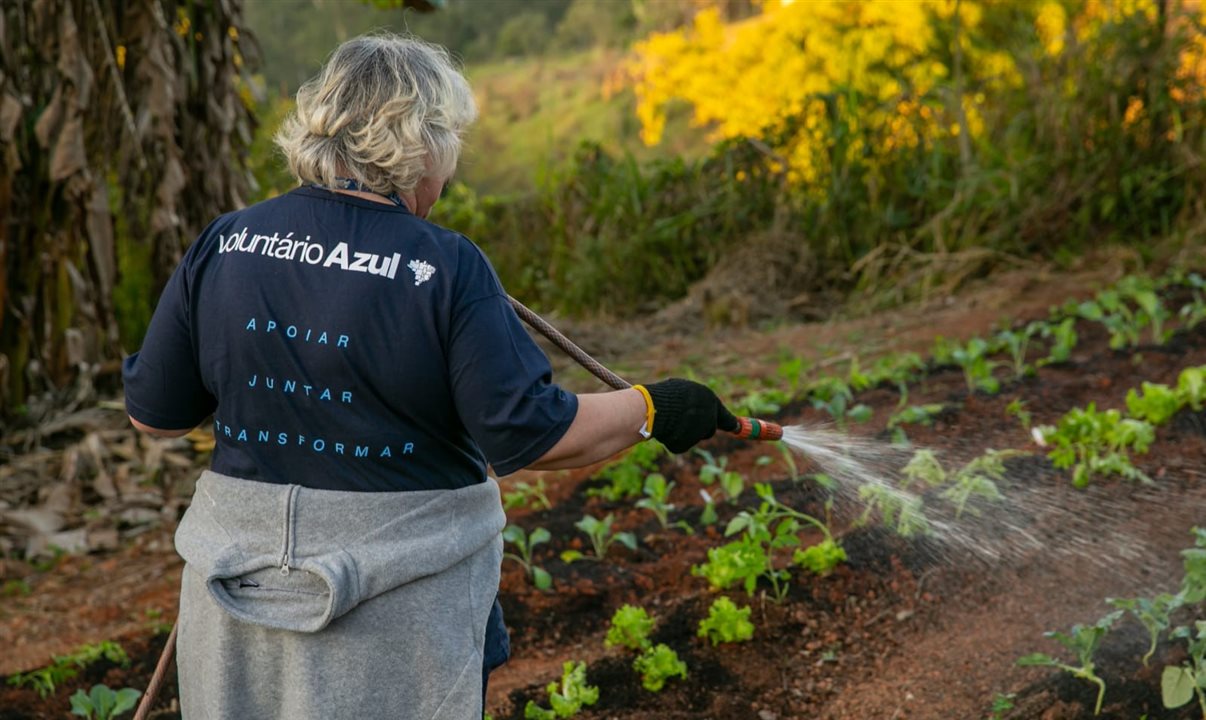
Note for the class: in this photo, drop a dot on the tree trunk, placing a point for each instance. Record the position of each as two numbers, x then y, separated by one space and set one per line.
123 127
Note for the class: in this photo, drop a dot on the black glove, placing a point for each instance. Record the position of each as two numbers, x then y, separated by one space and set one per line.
687 412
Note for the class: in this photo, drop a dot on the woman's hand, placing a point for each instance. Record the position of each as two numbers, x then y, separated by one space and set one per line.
686 412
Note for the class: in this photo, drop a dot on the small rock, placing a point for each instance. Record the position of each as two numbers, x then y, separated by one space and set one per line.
767 715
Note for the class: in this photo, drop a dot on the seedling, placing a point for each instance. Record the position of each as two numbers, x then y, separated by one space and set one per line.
630 628
1191 387
1063 341
626 476
1017 408
525 544
1155 614
657 494
567 697
1016 343
601 536
820 558
64 667
1097 443
913 414
726 623
923 468
713 470
834 397
978 479
900 511
1083 641
1156 405
527 494
1194 311
657 665
101 703
977 367
1001 704
1180 683
771 528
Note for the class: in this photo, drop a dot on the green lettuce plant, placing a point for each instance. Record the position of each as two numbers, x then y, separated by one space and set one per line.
1156 405
657 665
626 476
567 697
1191 387
527 494
726 623
630 628
1097 443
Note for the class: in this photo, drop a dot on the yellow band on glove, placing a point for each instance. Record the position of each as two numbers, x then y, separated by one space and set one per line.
646 429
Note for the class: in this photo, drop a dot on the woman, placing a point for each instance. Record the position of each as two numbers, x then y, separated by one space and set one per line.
362 367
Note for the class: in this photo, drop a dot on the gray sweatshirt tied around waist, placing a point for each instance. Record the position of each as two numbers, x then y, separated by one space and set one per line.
383 596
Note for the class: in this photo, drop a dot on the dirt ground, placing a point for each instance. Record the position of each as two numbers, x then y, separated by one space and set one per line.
905 629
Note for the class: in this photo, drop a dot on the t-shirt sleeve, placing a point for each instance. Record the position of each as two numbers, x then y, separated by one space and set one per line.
162 380
501 380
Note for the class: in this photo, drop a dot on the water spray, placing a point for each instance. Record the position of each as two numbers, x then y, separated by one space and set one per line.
747 428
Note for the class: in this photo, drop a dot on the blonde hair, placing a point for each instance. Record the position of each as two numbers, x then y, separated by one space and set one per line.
385 110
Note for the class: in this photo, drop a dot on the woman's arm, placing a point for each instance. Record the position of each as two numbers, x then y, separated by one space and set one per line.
606 423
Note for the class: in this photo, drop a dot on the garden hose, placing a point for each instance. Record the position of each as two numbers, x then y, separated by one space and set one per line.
747 428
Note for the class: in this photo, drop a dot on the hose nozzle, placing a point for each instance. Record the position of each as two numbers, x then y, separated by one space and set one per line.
755 429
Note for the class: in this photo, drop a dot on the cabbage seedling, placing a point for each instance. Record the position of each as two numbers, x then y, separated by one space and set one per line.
1083 641
101 703
1093 443
977 368
657 665
630 628
600 534
1154 614
657 493
835 398
567 697
525 544
977 479
1063 341
1016 343
726 623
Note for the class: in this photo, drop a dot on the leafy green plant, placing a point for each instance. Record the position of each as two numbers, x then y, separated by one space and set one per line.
978 479
898 510
657 665
1001 704
567 697
601 535
657 496
1063 341
913 415
820 558
1125 321
726 623
1083 642
1194 312
1017 343
1191 387
626 476
923 468
1180 683
771 528
714 469
1155 614
527 494
834 397
1097 443
977 367
1017 408
630 628
525 544
102 703
1156 405
45 681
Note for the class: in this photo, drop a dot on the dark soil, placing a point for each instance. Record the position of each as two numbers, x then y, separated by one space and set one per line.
904 629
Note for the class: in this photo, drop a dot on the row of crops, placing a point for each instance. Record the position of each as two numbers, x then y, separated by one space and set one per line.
767 541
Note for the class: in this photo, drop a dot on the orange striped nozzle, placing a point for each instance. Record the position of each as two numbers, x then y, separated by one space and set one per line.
755 429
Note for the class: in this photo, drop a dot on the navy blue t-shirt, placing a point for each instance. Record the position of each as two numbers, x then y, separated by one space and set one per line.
345 344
